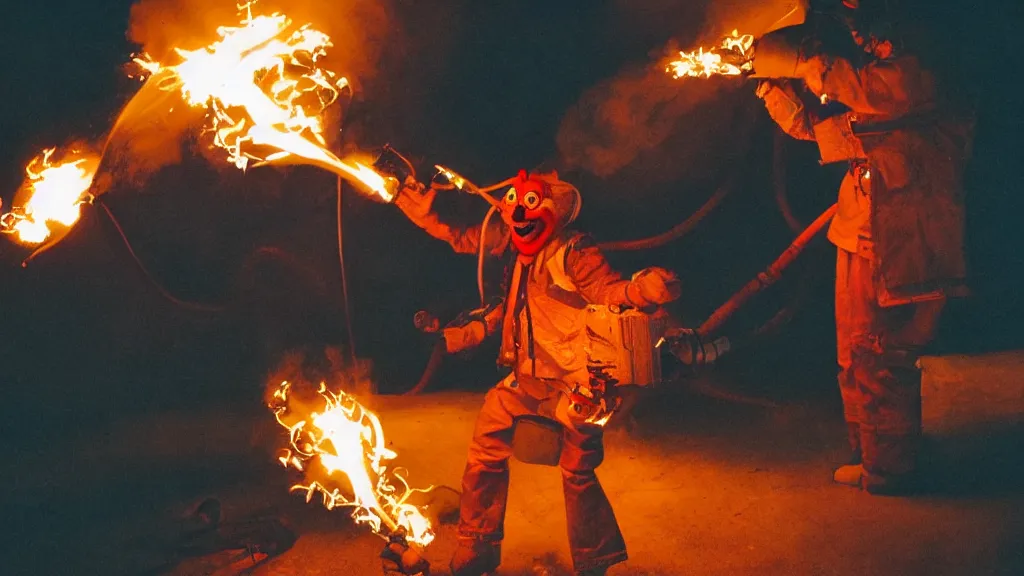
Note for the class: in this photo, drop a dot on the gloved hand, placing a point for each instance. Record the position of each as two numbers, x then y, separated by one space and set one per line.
734 57
653 286
780 98
415 199
777 54
459 338
765 87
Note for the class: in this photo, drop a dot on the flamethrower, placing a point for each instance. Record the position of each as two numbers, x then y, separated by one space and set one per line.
778 33
732 57
734 54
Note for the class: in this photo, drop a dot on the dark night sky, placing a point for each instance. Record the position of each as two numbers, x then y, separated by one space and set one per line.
482 86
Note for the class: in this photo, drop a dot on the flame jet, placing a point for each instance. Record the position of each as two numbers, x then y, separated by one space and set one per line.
733 55
345 439
264 93
54 190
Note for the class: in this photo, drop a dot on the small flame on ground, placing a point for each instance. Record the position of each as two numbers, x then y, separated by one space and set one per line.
346 439
709 63
265 93
56 192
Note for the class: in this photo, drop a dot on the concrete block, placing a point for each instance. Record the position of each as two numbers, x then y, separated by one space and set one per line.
962 393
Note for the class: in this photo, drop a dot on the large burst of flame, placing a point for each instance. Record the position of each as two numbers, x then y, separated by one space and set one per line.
344 439
55 192
709 63
265 92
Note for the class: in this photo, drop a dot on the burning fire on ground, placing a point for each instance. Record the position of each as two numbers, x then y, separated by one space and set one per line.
56 188
265 91
732 57
340 447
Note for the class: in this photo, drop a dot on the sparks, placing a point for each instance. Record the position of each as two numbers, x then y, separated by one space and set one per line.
708 63
56 191
265 94
347 440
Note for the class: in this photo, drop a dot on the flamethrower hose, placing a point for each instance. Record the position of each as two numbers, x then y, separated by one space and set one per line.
480 256
145 271
769 276
344 281
39 251
679 230
782 316
779 181
436 357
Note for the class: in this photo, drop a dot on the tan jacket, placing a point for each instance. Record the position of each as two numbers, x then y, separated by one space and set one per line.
542 318
916 156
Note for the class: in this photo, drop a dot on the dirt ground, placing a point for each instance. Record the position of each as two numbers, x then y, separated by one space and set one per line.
701 486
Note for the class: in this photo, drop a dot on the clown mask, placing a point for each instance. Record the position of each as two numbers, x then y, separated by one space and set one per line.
529 209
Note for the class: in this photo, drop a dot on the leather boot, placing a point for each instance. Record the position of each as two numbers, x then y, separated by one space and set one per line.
890 463
849 475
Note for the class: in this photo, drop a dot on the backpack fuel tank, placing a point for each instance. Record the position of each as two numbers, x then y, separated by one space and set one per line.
621 345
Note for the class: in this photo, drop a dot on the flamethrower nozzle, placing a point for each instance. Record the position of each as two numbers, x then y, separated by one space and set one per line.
461 183
692 349
426 322
399 559
392 163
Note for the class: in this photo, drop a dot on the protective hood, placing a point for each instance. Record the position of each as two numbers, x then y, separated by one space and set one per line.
566 198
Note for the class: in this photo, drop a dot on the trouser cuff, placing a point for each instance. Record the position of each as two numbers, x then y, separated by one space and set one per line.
600 562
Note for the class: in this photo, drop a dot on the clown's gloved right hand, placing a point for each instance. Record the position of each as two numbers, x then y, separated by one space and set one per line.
460 338
472 327
653 286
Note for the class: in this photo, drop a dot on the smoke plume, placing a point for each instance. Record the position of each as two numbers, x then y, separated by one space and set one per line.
624 118
617 120
307 368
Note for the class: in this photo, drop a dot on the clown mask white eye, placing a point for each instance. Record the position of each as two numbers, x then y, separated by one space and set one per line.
531 200
511 197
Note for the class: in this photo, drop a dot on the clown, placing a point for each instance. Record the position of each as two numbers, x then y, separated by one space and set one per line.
554 275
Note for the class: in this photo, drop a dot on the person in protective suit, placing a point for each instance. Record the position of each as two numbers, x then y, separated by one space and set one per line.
899 225
556 273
